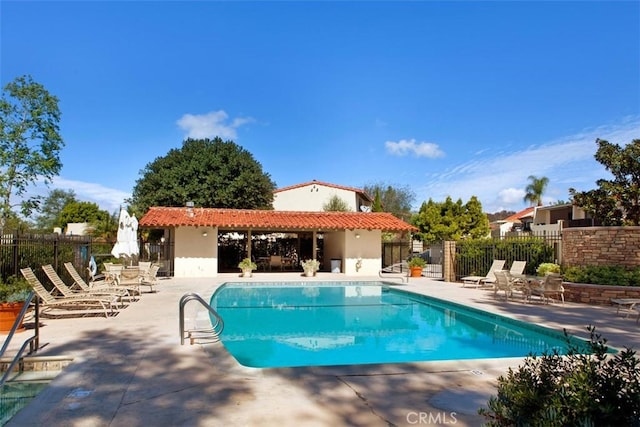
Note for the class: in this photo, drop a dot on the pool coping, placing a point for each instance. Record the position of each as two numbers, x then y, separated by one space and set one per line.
130 370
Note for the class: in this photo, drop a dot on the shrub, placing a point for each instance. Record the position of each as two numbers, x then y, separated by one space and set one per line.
547 267
595 389
603 275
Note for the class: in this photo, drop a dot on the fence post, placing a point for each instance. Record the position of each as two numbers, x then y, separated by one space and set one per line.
14 255
449 261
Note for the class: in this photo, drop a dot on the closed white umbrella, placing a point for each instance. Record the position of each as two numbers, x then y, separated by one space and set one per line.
134 249
121 248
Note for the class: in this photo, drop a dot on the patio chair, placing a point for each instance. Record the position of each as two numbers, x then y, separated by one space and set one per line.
63 306
66 291
275 261
150 277
551 285
144 267
498 264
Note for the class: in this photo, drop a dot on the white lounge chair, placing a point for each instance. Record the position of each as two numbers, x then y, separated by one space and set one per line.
517 268
63 306
498 264
629 304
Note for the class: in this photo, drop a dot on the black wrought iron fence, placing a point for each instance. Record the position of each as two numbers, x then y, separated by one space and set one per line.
394 253
474 257
18 250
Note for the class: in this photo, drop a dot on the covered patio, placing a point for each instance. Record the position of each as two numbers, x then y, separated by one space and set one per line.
209 241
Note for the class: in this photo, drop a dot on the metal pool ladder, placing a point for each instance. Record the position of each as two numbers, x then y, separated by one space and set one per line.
204 335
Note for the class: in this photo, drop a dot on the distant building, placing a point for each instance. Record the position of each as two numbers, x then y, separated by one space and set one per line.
78 229
518 222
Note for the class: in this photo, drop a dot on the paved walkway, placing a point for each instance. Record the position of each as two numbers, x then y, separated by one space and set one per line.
131 370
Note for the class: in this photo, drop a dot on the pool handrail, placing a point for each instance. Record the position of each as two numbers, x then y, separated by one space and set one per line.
33 341
215 330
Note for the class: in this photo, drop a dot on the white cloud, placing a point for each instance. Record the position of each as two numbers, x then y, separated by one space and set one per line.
510 196
109 199
422 149
212 124
498 178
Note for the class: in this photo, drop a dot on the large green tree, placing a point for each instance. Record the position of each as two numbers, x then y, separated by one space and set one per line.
52 206
451 220
617 200
81 212
535 189
209 173
29 142
394 199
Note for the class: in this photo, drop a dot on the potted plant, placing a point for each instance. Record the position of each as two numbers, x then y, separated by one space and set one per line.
416 264
13 293
310 267
247 266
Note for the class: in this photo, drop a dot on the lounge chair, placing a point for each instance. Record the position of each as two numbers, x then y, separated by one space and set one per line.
551 285
628 303
63 306
498 264
517 268
108 293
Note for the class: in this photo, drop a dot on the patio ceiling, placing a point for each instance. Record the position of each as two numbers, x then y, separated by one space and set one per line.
271 220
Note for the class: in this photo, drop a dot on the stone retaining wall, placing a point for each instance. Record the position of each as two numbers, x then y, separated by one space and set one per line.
597 294
583 246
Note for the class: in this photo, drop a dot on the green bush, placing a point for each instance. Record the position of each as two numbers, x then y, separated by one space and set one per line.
595 389
603 275
547 267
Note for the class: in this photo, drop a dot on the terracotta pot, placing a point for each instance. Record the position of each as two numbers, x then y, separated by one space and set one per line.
416 271
8 314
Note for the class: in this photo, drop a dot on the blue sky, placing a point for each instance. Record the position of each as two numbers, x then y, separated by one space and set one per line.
450 98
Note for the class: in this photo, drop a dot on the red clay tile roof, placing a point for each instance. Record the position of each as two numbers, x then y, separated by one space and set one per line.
523 213
272 220
326 184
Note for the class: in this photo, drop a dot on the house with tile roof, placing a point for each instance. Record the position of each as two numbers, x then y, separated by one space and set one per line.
204 241
519 221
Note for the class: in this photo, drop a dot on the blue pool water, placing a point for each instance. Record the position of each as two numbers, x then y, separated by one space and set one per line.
320 324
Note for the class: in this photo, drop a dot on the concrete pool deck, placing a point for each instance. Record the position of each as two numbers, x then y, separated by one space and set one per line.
130 370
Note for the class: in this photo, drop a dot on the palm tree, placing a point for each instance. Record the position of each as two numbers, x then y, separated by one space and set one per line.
535 189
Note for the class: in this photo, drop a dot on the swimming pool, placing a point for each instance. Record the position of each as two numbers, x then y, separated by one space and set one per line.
344 323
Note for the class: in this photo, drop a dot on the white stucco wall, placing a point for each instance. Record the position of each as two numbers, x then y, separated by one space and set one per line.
359 256
195 255
362 255
311 198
